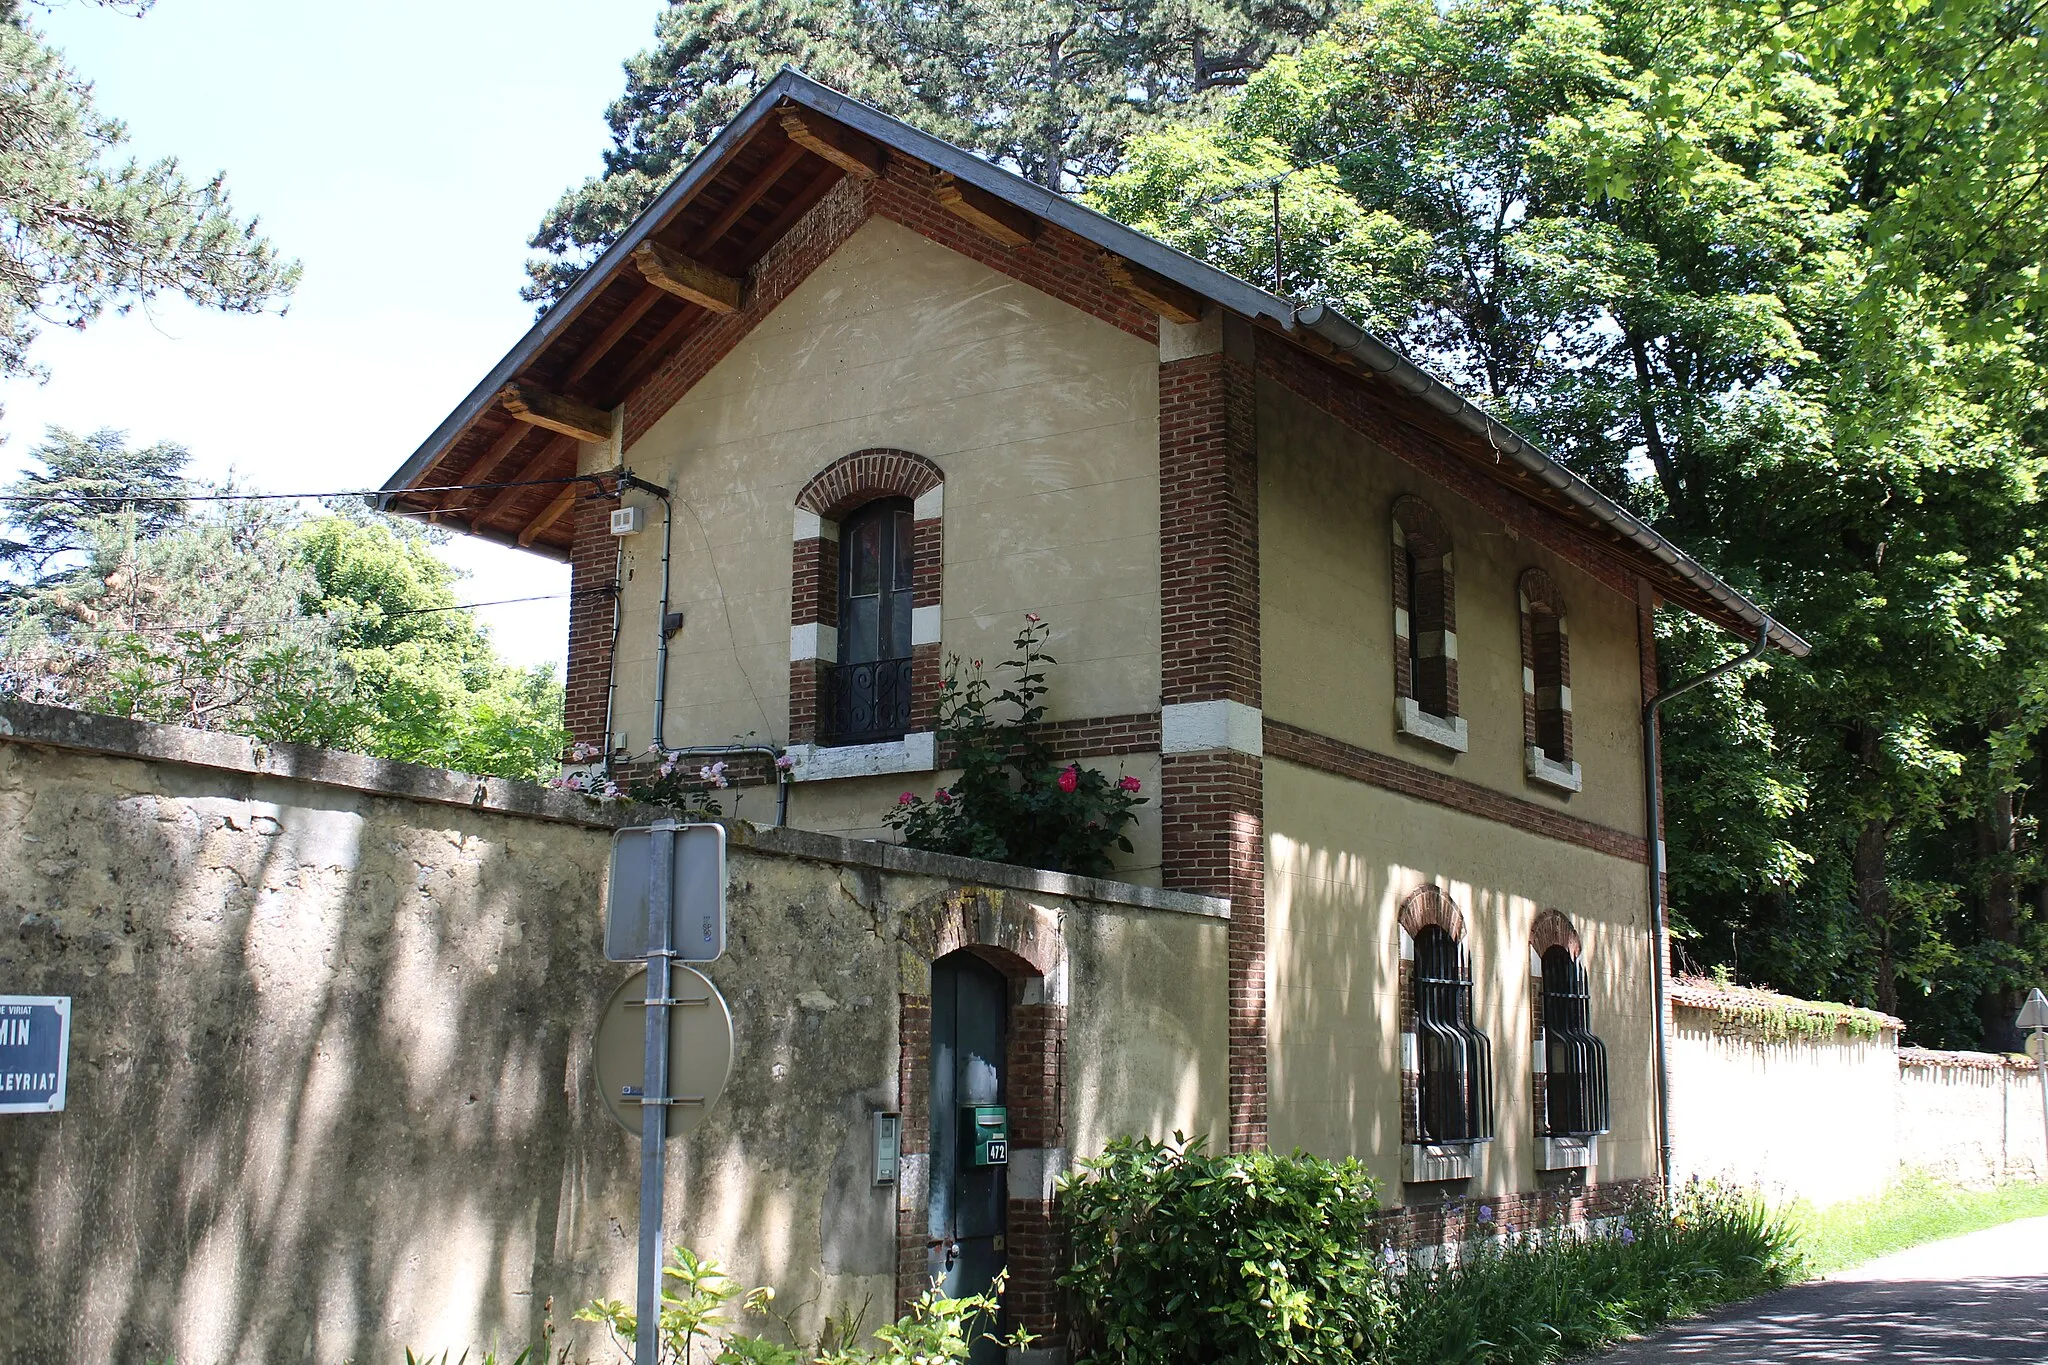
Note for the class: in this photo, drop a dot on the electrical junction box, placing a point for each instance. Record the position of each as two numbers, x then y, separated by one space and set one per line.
986 1130
625 520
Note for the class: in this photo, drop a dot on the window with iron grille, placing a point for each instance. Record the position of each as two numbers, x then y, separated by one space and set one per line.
1454 1078
1575 1060
867 697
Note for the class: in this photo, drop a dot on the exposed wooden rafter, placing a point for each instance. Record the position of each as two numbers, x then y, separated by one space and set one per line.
654 351
561 448
550 514
613 333
749 195
806 199
983 212
686 278
1174 302
843 147
551 410
481 471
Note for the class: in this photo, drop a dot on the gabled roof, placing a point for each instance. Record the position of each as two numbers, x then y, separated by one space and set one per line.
762 173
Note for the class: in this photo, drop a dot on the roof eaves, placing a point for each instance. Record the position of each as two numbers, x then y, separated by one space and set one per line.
593 280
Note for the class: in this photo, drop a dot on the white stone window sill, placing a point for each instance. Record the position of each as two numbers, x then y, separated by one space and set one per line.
1543 768
917 753
1566 1154
1445 732
1423 1163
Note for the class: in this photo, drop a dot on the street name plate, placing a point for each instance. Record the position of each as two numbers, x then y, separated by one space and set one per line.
699 933
35 1048
699 1050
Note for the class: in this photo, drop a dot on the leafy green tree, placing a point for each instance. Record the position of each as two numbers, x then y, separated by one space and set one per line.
1052 90
82 231
1746 274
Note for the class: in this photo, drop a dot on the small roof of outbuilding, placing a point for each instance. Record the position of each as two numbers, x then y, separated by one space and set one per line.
518 429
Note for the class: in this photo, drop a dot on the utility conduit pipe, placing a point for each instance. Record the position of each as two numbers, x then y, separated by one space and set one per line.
1654 823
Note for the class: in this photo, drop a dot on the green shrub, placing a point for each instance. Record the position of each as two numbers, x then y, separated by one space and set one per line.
1516 1297
1178 1257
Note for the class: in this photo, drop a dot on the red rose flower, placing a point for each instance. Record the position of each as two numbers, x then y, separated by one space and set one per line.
1070 778
907 799
1130 784
943 797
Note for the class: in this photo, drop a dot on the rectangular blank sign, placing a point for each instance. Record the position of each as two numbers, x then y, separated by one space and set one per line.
698 934
35 1046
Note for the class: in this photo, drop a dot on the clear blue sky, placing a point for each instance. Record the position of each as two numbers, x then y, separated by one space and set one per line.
403 152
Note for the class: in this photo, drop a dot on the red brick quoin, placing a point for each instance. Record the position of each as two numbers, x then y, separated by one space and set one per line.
838 489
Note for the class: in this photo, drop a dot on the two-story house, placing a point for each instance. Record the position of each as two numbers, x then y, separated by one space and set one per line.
1380 664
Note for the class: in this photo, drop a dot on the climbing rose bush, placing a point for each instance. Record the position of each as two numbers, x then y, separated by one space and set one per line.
1014 802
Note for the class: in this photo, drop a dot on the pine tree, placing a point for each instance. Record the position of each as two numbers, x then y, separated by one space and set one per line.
1051 90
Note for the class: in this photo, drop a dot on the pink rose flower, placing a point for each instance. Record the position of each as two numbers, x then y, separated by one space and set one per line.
1032 617
907 799
943 797
1070 778
1130 784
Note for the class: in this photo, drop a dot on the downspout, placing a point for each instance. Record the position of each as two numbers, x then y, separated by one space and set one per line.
1659 946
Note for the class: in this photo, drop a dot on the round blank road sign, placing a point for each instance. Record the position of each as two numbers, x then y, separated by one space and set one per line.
699 1049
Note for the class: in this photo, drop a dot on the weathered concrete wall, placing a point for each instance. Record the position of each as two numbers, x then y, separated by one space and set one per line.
1340 857
330 1087
1970 1118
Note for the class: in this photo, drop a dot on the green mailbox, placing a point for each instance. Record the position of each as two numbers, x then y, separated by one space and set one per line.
986 1129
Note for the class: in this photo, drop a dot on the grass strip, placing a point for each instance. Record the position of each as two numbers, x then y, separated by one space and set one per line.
1918 1209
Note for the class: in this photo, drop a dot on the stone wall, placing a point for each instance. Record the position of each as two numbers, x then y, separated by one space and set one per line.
330 1090
1970 1117
1841 1115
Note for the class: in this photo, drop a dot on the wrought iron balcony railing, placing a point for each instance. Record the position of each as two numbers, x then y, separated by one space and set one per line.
868 702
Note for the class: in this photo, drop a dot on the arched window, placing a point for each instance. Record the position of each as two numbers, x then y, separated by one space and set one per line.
870 691
1546 683
1574 1058
1425 628
1454 1062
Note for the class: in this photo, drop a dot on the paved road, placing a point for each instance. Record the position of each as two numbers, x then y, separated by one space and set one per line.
1983 1297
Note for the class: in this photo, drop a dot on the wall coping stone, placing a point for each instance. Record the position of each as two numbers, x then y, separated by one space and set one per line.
1703 994
60 727
1975 1061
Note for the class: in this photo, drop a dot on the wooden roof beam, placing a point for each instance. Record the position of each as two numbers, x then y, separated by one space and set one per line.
1174 302
533 469
687 279
843 147
750 194
550 514
983 212
613 333
540 408
653 352
484 467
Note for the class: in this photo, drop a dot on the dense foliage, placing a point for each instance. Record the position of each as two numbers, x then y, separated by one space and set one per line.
82 231
1051 90
1177 1257
128 595
1771 277
1520 1296
1013 802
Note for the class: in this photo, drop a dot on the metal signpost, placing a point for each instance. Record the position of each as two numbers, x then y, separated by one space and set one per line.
689 858
35 1051
2034 1018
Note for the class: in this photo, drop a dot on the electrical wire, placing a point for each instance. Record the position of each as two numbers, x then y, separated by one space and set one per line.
139 499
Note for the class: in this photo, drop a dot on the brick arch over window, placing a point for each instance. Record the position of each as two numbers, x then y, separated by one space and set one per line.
1546 682
840 488
865 475
1425 610
1027 944
1553 930
1429 905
